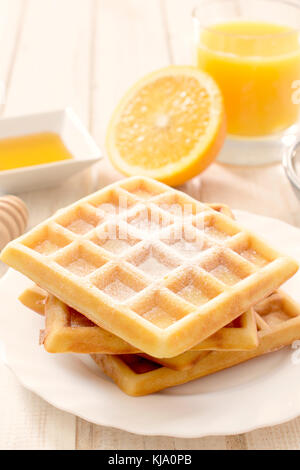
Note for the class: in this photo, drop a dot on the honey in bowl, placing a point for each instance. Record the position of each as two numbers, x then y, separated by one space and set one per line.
31 150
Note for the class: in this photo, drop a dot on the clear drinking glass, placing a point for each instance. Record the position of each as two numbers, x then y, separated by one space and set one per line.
252 49
291 165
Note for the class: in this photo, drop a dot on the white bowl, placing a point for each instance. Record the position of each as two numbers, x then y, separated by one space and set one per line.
75 136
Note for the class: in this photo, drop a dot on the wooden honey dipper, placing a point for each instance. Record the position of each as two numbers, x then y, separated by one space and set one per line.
13 219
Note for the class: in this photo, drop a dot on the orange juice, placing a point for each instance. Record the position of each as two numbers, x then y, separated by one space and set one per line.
33 149
255 65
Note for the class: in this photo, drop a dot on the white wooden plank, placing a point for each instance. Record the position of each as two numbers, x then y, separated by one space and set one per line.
10 24
110 439
52 64
84 435
178 18
238 442
283 437
50 68
204 443
130 41
11 14
265 191
28 422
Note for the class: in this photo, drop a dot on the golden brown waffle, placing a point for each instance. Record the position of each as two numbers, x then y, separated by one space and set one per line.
34 298
223 209
278 318
182 362
69 331
160 291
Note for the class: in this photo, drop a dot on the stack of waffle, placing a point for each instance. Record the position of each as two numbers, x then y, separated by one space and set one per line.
157 287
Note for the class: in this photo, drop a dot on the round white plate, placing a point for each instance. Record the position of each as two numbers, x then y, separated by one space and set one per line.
262 392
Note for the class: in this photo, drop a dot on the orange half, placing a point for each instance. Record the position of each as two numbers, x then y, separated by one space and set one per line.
169 126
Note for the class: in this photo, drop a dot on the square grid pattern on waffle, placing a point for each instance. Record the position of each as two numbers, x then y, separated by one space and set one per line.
278 321
131 260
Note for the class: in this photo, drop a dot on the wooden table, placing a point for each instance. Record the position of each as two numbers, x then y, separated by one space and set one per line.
85 53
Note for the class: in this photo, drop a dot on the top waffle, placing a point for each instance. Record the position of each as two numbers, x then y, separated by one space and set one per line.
150 264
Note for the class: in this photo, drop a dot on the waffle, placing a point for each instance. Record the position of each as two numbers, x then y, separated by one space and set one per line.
69 331
223 209
278 319
34 298
160 288
182 362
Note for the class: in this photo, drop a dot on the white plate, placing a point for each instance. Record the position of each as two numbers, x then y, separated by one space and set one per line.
262 392
75 136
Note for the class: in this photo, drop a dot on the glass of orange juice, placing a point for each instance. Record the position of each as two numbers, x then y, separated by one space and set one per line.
252 49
